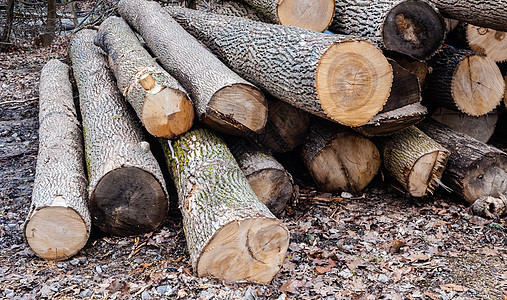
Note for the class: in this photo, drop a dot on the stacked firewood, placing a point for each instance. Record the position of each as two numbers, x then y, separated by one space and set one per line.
346 101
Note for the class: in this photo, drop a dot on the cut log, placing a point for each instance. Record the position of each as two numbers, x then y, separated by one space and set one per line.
287 127
480 128
402 108
339 159
308 14
267 177
414 159
341 78
490 207
58 224
489 14
223 100
127 189
464 80
419 68
489 41
411 27
230 234
474 169
159 101
237 9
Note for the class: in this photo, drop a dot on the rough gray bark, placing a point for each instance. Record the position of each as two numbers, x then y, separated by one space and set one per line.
237 9
341 78
411 27
224 221
58 224
127 189
6 32
133 67
474 169
49 31
222 99
267 177
489 13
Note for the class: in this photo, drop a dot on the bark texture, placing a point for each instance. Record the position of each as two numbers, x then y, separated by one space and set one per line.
489 14
158 99
230 234
49 31
222 99
341 78
414 159
339 159
58 224
411 27
474 169
464 80
6 32
237 9
127 189
490 207
267 177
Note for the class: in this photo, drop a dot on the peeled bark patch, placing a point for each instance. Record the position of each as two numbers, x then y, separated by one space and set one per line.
230 234
411 27
58 224
158 99
344 79
222 99
127 189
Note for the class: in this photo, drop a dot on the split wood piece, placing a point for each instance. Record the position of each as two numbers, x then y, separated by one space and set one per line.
157 98
489 13
480 128
308 14
237 9
58 224
414 159
339 159
419 68
127 189
267 177
402 108
489 41
474 169
223 100
450 24
465 80
412 27
230 234
287 127
490 207
341 78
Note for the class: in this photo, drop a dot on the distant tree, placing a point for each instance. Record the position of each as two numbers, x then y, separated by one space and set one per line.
9 19
49 32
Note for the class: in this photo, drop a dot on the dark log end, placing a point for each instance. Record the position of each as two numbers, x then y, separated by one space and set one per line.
273 187
128 201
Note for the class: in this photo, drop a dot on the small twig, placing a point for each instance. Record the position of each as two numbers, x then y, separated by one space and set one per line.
18 101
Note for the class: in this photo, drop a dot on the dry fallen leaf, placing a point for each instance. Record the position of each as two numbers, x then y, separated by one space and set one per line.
396 246
453 287
432 296
322 270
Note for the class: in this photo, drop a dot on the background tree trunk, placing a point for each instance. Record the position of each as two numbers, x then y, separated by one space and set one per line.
49 33
9 19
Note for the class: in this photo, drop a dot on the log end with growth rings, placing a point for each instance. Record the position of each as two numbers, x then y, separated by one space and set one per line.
251 249
308 14
426 173
56 232
477 85
353 82
489 41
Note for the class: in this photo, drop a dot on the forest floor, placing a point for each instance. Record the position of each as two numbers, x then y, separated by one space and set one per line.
379 245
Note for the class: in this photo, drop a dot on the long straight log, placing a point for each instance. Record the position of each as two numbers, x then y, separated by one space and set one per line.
223 100
127 189
308 14
411 27
338 158
464 80
484 13
414 159
159 100
474 169
342 78
58 224
237 9
230 234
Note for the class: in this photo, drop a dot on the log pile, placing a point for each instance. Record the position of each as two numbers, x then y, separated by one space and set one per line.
345 103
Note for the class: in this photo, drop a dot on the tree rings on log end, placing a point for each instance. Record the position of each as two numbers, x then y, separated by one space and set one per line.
353 82
272 187
308 14
489 41
237 109
413 28
56 232
477 85
167 113
253 249
422 173
128 201
486 177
